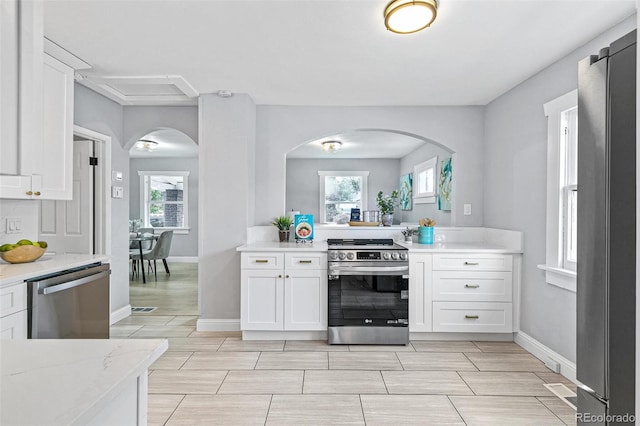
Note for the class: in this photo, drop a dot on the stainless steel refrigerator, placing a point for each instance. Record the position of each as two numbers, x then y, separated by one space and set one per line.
607 234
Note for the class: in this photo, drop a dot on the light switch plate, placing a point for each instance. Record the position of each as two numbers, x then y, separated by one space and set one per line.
117 192
467 209
116 176
14 225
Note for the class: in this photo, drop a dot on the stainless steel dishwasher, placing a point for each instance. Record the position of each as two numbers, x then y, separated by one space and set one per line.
72 304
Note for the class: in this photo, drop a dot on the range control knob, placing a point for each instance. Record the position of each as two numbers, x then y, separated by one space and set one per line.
333 255
350 255
395 255
342 255
403 256
386 255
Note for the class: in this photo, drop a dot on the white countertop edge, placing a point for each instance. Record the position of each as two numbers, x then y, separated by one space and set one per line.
10 274
316 246
36 392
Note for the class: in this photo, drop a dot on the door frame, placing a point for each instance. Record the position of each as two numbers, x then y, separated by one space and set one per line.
102 189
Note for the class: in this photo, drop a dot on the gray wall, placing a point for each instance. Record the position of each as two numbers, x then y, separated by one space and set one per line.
95 112
303 182
140 120
226 199
282 128
515 188
417 156
182 244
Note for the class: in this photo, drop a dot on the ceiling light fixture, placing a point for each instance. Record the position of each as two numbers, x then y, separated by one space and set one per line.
146 145
331 146
409 16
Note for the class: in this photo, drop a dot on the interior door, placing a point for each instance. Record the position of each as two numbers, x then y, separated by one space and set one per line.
67 226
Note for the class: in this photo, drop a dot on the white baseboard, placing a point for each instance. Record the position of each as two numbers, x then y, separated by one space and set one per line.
485 337
542 352
183 259
284 335
218 325
119 314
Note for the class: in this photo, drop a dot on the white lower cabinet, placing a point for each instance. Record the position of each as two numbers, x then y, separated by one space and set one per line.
13 311
283 291
461 292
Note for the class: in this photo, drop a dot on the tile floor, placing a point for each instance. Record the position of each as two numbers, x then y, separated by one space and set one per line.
208 378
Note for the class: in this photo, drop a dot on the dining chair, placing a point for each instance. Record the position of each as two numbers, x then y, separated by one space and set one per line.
134 248
160 251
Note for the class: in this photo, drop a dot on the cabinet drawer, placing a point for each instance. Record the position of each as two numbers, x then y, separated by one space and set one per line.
14 326
265 260
472 262
13 299
460 286
305 260
478 317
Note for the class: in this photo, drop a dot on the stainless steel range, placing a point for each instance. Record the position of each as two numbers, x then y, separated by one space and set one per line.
368 292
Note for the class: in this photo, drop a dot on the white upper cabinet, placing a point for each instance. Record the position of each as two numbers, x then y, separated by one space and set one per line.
36 112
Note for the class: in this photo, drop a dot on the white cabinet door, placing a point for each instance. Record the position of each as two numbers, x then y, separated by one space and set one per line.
420 317
56 151
14 326
9 54
306 303
262 296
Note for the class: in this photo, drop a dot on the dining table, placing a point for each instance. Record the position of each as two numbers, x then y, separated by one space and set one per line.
140 239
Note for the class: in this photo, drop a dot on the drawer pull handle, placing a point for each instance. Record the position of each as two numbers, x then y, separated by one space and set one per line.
471 285
29 192
262 261
471 316
471 263
37 193
304 261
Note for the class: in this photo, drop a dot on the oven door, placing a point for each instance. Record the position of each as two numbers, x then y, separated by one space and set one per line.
369 296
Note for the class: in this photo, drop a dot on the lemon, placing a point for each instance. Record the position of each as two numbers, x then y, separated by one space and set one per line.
43 244
36 244
6 247
24 243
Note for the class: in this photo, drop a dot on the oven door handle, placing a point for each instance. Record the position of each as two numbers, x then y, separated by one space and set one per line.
378 270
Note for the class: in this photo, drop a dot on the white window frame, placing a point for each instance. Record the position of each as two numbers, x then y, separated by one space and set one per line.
323 174
144 209
557 272
429 167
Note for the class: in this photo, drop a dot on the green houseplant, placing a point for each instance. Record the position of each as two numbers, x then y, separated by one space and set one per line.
387 205
283 223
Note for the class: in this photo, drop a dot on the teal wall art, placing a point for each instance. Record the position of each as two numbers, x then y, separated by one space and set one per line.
444 185
406 191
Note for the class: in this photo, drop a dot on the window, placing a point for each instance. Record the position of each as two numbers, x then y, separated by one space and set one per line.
340 192
164 199
424 182
562 190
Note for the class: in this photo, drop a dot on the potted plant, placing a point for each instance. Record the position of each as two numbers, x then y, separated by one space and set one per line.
387 204
283 223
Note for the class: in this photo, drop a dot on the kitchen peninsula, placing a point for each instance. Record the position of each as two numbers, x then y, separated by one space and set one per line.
76 382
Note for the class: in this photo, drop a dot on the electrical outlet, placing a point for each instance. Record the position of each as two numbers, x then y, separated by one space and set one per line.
117 192
13 225
467 209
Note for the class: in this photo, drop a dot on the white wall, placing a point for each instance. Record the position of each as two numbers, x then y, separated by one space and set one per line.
515 188
303 182
28 212
282 128
97 113
140 120
181 244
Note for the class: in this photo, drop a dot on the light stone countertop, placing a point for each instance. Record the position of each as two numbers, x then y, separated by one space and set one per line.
62 382
473 247
12 273
316 246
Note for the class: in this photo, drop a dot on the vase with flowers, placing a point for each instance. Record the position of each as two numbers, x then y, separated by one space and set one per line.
387 205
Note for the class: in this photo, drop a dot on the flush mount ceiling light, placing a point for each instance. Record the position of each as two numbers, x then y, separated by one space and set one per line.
408 16
331 146
146 145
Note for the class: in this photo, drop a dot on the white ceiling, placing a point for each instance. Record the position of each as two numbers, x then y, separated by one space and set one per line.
361 144
171 143
330 52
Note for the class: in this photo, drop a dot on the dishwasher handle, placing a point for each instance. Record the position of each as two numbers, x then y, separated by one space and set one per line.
71 284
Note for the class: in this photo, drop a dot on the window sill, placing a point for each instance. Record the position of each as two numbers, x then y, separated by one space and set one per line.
563 278
180 231
424 200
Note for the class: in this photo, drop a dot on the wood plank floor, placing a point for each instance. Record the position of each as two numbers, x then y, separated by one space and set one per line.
211 378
